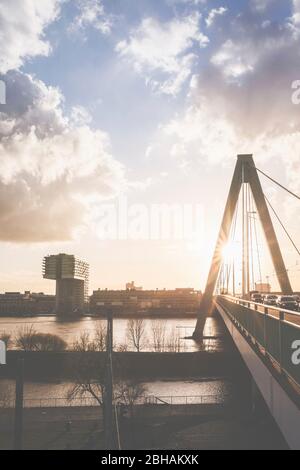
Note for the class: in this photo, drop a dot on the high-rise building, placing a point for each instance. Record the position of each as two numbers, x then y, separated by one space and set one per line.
72 282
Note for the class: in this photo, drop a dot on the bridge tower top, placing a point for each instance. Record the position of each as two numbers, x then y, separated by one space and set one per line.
245 172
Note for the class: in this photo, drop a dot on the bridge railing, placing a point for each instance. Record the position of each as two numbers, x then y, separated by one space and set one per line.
275 330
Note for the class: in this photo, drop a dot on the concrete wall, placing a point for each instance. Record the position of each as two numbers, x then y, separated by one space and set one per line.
63 366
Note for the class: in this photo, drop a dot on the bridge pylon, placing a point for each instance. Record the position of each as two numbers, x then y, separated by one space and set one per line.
245 172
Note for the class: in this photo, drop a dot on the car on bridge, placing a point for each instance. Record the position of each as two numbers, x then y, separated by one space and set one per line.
287 302
257 298
297 298
270 299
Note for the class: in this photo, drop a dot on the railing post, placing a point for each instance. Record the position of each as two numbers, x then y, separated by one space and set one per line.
281 319
266 312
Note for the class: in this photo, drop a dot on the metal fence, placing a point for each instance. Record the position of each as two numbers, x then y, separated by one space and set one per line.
44 403
188 400
275 330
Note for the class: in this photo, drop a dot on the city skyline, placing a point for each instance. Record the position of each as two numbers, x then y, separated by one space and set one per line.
96 111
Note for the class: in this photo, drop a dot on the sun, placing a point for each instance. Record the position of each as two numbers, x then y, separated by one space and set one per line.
230 251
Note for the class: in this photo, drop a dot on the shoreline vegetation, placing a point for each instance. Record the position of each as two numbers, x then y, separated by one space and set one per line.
28 339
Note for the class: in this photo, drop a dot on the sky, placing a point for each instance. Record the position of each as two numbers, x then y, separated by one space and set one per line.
117 111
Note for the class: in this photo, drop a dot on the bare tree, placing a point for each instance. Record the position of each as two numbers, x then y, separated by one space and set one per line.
83 342
88 386
174 341
123 347
158 335
90 378
129 394
136 333
25 338
89 370
86 343
101 336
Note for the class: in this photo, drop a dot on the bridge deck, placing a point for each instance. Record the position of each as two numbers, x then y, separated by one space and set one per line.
267 344
274 330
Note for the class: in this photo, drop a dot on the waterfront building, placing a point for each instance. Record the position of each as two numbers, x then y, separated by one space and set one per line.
178 302
72 282
28 303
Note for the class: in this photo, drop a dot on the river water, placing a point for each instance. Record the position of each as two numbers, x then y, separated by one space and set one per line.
42 394
70 331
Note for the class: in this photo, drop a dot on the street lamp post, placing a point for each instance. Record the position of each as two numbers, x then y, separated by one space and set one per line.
108 405
112 438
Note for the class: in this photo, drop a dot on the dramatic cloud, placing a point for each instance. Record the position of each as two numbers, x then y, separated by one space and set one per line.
242 99
22 26
91 14
164 52
250 77
54 170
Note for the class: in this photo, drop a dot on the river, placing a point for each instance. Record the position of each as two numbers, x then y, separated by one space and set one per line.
70 331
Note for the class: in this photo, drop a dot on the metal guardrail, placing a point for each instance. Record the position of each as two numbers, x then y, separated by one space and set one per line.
189 400
257 306
274 329
44 403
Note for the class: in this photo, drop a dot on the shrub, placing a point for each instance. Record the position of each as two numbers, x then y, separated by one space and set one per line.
29 340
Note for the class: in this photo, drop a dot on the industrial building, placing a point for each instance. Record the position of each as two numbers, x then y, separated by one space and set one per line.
72 282
28 303
135 301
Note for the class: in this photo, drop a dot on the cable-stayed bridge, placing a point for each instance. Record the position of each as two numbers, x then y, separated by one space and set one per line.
267 336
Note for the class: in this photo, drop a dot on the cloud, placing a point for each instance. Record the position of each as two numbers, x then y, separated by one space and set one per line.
164 52
92 14
190 2
240 102
213 14
296 11
251 42
261 5
250 76
22 27
55 169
